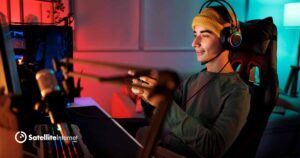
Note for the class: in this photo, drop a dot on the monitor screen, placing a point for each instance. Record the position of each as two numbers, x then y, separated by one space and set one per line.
18 39
35 46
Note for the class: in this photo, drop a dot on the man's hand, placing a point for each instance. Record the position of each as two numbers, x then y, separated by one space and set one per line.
8 119
148 82
157 88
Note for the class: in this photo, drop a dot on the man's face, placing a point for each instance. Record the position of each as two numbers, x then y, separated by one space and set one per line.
207 45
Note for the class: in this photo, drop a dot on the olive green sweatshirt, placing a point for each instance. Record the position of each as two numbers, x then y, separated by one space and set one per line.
207 121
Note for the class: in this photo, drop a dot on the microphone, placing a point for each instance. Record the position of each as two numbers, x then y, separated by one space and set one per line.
54 102
53 99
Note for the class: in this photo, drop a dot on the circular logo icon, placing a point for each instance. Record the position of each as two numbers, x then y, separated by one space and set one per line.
20 137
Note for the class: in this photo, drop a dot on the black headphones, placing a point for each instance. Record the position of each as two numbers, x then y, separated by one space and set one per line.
231 37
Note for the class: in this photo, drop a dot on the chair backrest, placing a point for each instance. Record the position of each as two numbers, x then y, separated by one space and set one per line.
255 61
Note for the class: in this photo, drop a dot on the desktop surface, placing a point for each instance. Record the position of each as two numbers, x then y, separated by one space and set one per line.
103 137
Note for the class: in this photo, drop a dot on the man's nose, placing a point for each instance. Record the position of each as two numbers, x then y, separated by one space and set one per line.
196 42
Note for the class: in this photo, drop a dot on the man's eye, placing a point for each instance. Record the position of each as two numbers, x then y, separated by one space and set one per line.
205 35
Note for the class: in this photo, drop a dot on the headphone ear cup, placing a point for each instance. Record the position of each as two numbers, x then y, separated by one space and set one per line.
235 39
224 36
230 40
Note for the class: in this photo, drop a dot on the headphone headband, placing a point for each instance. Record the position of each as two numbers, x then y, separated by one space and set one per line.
230 37
221 3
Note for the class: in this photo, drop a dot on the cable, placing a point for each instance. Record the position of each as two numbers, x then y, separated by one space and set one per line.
205 62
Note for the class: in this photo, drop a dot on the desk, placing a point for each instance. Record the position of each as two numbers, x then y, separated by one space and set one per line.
102 134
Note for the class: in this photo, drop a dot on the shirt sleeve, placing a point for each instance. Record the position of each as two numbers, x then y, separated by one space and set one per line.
210 141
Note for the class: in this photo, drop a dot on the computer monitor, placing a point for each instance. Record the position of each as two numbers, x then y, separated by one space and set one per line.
26 49
9 77
35 46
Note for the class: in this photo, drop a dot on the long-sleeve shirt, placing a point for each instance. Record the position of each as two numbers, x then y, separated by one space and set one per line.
210 121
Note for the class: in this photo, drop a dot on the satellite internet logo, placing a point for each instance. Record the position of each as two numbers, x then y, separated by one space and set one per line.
20 137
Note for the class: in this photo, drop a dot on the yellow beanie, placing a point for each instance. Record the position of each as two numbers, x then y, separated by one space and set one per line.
210 19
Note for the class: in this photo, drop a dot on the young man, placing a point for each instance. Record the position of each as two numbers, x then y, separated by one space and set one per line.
210 108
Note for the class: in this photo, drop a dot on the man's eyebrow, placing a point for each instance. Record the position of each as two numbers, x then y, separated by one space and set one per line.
205 31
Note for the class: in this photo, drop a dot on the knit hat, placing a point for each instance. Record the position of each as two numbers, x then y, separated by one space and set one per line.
211 19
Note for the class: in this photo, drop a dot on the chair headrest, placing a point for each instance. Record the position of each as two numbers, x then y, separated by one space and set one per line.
257 35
